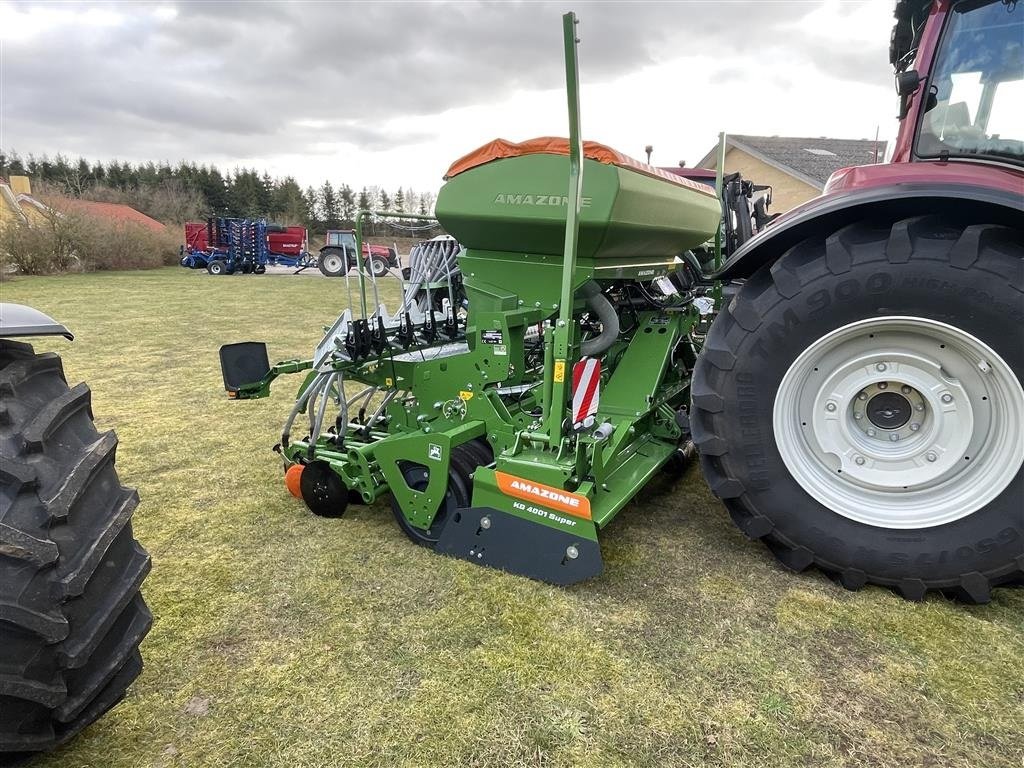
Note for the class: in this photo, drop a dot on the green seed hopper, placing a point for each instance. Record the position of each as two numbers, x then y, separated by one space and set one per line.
628 213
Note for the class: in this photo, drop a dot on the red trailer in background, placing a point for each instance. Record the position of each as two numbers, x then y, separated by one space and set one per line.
196 236
286 241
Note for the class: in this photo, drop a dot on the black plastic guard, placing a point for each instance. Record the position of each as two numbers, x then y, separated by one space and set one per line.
243 363
519 546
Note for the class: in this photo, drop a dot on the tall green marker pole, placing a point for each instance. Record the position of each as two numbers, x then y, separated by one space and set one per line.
562 336
719 183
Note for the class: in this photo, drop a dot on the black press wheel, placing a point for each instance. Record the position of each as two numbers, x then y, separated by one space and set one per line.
323 491
465 459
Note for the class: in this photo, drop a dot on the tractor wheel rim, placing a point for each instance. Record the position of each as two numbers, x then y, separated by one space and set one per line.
900 422
333 263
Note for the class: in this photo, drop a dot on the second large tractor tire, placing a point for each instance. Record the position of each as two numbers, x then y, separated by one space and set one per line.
858 406
71 615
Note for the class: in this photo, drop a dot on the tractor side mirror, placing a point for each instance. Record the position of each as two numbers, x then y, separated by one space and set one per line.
243 365
907 82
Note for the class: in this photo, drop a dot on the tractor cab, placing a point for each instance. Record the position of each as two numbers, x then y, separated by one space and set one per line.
341 238
967 84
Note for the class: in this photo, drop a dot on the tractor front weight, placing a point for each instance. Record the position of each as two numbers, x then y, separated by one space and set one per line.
537 371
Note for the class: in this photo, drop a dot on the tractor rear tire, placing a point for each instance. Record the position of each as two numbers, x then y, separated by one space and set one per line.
924 490
71 615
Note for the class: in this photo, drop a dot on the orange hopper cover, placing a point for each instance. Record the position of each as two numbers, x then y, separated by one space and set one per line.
554 145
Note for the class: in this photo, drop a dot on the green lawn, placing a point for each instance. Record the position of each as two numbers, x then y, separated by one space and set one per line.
281 639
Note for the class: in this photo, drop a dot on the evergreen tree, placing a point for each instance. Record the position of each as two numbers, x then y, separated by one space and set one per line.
315 221
245 194
329 207
289 205
347 200
187 189
364 200
266 197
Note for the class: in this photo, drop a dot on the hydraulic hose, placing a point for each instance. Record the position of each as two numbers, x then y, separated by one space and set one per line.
596 301
300 406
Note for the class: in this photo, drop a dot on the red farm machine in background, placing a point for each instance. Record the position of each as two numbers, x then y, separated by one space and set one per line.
281 240
224 245
251 243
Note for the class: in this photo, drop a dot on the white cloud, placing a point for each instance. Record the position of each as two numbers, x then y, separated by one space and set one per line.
28 23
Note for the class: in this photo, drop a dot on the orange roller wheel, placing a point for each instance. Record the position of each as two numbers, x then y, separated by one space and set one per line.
292 478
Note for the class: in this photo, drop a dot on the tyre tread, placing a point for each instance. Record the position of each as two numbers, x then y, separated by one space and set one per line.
721 352
70 568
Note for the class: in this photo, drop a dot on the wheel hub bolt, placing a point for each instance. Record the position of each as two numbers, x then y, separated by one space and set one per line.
485 522
830 407
857 414
919 407
914 427
894 437
571 552
905 389
871 433
880 367
947 398
883 385
862 396
931 456
859 461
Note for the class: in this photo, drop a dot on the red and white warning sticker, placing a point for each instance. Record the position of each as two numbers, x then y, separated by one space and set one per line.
586 389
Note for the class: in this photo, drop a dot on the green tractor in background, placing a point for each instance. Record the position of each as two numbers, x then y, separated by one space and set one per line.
857 401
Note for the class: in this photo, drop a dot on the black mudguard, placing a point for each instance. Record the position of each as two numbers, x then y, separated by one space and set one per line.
891 202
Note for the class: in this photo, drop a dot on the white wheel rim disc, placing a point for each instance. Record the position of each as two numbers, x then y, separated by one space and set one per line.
900 422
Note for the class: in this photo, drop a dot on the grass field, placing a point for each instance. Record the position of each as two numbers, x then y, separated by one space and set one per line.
281 639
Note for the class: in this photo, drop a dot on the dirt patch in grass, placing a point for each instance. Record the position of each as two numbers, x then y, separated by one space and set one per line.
314 642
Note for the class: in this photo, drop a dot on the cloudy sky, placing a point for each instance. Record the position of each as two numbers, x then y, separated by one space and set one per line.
391 93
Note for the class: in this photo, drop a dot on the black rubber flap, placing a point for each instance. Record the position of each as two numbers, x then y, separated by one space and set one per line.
519 546
243 363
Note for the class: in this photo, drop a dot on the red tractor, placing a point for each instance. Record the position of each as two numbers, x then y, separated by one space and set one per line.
339 248
858 402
